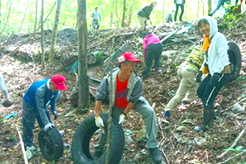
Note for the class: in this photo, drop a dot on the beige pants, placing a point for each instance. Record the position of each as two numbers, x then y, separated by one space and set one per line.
187 88
142 22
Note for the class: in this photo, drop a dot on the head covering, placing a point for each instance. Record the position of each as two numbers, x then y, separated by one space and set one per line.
59 81
213 25
128 56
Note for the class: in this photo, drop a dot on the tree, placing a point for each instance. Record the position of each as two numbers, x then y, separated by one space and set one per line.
54 32
82 53
24 16
36 18
123 14
209 6
42 35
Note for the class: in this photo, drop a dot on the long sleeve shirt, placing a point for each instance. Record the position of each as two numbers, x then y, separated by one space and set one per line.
149 39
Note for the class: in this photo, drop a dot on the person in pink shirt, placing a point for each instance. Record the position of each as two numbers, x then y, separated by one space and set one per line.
152 49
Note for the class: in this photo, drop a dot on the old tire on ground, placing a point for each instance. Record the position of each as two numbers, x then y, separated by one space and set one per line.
235 59
51 144
81 142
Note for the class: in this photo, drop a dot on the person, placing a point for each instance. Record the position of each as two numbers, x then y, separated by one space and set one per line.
144 14
38 96
188 85
218 65
95 18
179 4
126 95
169 17
4 89
152 49
219 4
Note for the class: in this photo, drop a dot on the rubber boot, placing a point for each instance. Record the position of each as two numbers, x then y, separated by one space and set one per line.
146 72
207 119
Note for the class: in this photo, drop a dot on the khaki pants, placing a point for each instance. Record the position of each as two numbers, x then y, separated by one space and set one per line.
142 21
187 88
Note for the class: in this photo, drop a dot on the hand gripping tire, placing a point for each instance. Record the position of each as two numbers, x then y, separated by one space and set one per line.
51 144
81 142
235 59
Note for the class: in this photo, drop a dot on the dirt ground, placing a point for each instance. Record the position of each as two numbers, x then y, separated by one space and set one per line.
178 143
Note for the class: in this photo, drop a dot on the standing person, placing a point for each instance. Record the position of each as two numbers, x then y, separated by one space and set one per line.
4 89
179 3
219 4
95 19
215 46
35 101
169 17
152 49
144 14
187 72
126 95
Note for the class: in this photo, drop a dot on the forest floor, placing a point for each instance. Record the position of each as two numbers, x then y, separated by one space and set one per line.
178 143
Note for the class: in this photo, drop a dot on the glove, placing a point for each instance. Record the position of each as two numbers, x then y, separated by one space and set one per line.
55 114
48 126
215 79
99 122
199 76
122 118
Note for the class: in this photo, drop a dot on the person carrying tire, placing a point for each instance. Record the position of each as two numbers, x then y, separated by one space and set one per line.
126 95
35 102
219 69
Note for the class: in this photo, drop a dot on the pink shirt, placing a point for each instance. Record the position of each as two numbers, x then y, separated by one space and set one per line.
149 39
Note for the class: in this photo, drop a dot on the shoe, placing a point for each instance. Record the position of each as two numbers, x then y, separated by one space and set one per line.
31 148
155 155
210 14
185 102
158 70
97 154
166 115
61 132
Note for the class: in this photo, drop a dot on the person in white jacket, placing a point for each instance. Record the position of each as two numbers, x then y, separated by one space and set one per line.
215 47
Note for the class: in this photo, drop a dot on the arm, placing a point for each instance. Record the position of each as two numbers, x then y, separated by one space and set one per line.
97 108
39 98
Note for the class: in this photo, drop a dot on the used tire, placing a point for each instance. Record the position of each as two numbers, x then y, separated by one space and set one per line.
51 144
235 59
81 142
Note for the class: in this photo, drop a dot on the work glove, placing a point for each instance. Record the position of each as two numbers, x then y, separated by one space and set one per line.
122 118
215 79
99 122
48 126
199 77
55 114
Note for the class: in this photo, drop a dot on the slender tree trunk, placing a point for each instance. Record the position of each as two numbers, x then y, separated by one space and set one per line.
198 9
82 53
123 24
163 12
209 6
112 14
0 27
116 14
36 19
7 18
42 36
54 32
24 16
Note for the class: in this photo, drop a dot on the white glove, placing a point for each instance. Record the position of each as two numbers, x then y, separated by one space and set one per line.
48 126
99 122
122 118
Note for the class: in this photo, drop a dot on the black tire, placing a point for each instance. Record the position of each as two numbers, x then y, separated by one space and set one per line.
51 144
235 59
81 142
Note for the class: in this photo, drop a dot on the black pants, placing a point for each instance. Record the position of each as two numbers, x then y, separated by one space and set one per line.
207 93
153 52
176 12
28 120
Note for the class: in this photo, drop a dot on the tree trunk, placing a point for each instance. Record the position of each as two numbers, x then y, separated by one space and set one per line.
82 53
7 18
42 36
198 9
54 32
36 19
209 6
163 10
24 16
112 14
123 14
116 14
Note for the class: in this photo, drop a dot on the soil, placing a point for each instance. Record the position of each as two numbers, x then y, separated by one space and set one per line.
178 143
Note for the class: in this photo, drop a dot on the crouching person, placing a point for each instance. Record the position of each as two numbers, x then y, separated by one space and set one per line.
126 95
35 101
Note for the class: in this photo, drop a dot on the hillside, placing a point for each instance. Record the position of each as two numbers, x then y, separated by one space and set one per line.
178 143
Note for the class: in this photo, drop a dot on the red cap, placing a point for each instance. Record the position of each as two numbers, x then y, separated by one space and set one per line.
129 57
59 81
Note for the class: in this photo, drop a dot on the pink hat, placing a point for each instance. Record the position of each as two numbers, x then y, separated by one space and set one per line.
129 57
59 81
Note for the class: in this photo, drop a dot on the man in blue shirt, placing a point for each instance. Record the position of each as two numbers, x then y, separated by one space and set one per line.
35 101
